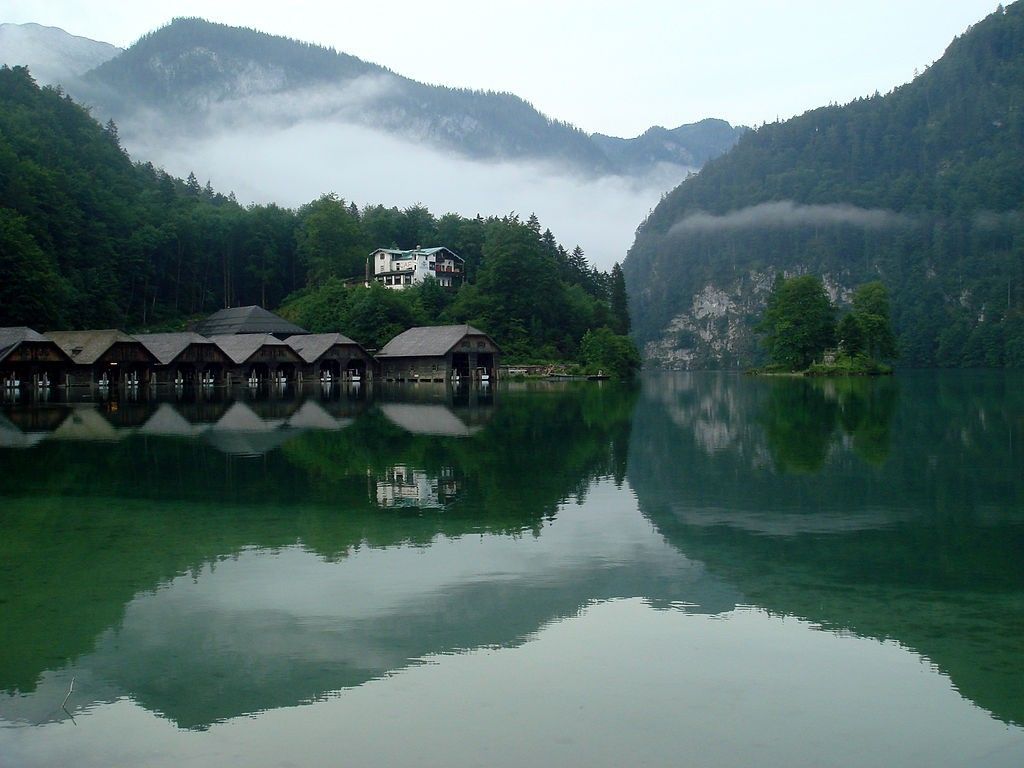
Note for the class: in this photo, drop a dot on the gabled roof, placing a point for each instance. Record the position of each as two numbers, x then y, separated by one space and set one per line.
239 320
414 252
167 346
429 341
311 346
240 347
86 347
10 338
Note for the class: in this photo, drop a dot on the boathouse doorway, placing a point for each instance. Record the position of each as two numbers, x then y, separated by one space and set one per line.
356 368
258 374
460 364
485 364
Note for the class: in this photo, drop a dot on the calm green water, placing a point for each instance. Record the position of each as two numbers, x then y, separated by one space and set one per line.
704 570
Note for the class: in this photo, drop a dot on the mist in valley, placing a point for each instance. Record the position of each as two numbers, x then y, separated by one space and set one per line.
258 148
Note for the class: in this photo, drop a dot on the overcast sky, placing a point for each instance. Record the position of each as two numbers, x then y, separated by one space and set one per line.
607 66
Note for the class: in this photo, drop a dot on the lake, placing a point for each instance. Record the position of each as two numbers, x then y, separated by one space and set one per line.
705 569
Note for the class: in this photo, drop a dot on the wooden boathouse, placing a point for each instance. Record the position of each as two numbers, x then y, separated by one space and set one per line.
29 359
259 358
185 358
331 357
104 358
440 353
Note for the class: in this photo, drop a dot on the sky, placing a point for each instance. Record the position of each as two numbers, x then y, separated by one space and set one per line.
606 66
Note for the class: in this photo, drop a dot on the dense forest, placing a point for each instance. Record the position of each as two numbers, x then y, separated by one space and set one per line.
90 239
921 188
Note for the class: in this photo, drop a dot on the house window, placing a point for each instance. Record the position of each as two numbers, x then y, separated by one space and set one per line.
381 257
408 279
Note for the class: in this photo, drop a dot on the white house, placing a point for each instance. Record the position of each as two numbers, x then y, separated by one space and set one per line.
399 269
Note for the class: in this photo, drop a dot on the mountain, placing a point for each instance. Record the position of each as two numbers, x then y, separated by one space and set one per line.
196 75
89 239
688 145
921 188
53 55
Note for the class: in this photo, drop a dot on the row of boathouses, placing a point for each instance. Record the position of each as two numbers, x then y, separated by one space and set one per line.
241 345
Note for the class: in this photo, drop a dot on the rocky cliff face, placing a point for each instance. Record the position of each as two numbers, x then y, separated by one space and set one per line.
716 329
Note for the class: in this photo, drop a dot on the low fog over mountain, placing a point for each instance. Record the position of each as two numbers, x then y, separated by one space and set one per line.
275 119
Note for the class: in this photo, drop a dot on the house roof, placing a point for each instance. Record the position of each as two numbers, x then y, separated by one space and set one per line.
240 347
428 341
241 320
86 347
311 346
167 346
10 338
413 252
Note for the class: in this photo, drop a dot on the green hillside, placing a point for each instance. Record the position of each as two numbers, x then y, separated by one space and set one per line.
91 240
921 188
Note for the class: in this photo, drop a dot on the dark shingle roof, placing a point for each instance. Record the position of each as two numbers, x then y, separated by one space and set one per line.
90 345
167 346
10 338
428 341
238 320
240 347
311 345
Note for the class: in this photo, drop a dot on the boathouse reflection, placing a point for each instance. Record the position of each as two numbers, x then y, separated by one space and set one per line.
120 612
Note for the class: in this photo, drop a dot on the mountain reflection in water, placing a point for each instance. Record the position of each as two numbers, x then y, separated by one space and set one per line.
890 509
213 559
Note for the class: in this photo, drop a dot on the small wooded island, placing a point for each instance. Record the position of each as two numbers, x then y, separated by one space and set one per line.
801 335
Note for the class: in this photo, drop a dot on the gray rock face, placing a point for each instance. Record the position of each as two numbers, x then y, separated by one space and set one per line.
716 330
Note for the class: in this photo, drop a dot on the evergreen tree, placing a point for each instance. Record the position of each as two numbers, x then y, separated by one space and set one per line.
799 322
619 301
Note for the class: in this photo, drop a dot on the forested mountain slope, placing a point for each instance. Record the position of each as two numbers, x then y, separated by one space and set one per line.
193 76
921 188
90 240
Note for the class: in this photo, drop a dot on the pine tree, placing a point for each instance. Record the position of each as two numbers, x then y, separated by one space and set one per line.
619 302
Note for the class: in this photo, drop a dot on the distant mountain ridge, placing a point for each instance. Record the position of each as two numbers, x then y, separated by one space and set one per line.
53 55
922 188
690 145
194 73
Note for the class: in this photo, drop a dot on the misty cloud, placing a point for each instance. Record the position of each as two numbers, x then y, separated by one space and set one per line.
992 221
785 213
254 153
347 102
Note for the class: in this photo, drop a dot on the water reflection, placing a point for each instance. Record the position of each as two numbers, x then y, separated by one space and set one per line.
162 567
890 511
804 418
404 486
156 559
